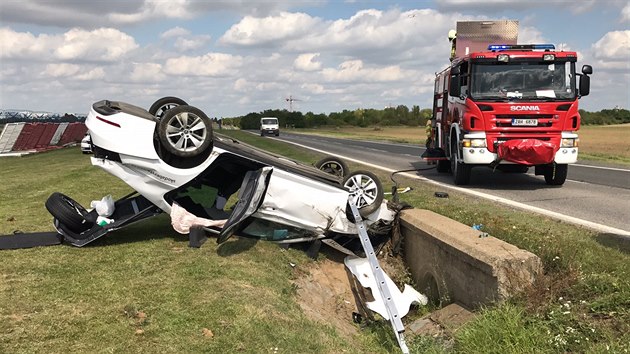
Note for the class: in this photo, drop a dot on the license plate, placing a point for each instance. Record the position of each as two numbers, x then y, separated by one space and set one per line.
524 122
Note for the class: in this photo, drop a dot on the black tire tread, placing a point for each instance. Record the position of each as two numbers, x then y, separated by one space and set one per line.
70 213
345 170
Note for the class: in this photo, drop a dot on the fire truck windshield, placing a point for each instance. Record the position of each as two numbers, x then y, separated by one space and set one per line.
523 80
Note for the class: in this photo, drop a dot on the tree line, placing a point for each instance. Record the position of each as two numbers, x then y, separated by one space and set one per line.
390 116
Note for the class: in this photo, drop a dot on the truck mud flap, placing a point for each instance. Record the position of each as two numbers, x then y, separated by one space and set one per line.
128 210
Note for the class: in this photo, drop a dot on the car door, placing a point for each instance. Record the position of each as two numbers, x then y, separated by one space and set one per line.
250 197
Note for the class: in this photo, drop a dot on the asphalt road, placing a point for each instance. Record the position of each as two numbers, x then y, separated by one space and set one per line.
593 196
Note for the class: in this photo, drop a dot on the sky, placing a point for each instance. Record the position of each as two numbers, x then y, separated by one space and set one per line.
233 57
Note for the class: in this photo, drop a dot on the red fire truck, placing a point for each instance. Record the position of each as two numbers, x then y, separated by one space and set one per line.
507 106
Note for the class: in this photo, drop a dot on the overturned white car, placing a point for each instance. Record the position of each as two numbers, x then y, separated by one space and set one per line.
170 156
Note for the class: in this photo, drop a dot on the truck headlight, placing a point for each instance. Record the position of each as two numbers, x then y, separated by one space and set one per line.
475 143
568 143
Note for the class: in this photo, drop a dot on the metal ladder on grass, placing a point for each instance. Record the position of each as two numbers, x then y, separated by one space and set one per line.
383 289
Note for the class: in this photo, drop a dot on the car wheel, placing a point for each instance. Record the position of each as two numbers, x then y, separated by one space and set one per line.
185 131
70 213
333 165
556 174
366 190
164 104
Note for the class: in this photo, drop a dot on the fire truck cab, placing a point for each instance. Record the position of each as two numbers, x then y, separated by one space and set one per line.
508 107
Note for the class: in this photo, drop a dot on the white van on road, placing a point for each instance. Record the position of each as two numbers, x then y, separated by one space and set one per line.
269 125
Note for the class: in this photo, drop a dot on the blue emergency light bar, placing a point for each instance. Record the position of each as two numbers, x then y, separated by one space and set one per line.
496 47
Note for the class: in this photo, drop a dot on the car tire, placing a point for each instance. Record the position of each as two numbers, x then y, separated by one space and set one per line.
185 131
161 106
556 174
367 190
69 213
333 165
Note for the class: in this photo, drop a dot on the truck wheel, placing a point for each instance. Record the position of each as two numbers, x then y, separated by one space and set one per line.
159 107
366 189
556 174
70 213
443 166
461 171
185 131
333 165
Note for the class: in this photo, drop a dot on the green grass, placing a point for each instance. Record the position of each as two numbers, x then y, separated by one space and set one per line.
142 289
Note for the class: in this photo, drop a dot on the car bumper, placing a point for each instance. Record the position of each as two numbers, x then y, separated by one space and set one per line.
482 156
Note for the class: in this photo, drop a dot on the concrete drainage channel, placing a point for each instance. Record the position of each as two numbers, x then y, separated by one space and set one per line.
452 264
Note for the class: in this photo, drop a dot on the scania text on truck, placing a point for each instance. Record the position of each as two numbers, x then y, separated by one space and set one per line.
506 106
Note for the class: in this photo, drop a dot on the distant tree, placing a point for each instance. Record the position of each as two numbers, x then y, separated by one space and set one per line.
399 115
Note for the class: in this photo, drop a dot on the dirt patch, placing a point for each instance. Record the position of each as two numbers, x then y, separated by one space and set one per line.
324 295
324 291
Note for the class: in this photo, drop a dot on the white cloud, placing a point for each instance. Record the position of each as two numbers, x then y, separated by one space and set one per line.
353 71
613 50
493 6
175 32
94 74
241 85
530 35
100 44
313 88
258 31
75 44
61 70
387 55
625 14
211 64
306 62
187 44
152 9
25 44
91 14
147 72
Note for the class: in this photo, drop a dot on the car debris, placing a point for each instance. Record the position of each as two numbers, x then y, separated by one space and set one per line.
389 301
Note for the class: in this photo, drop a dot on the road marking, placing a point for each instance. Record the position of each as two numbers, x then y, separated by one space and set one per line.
545 212
602 167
